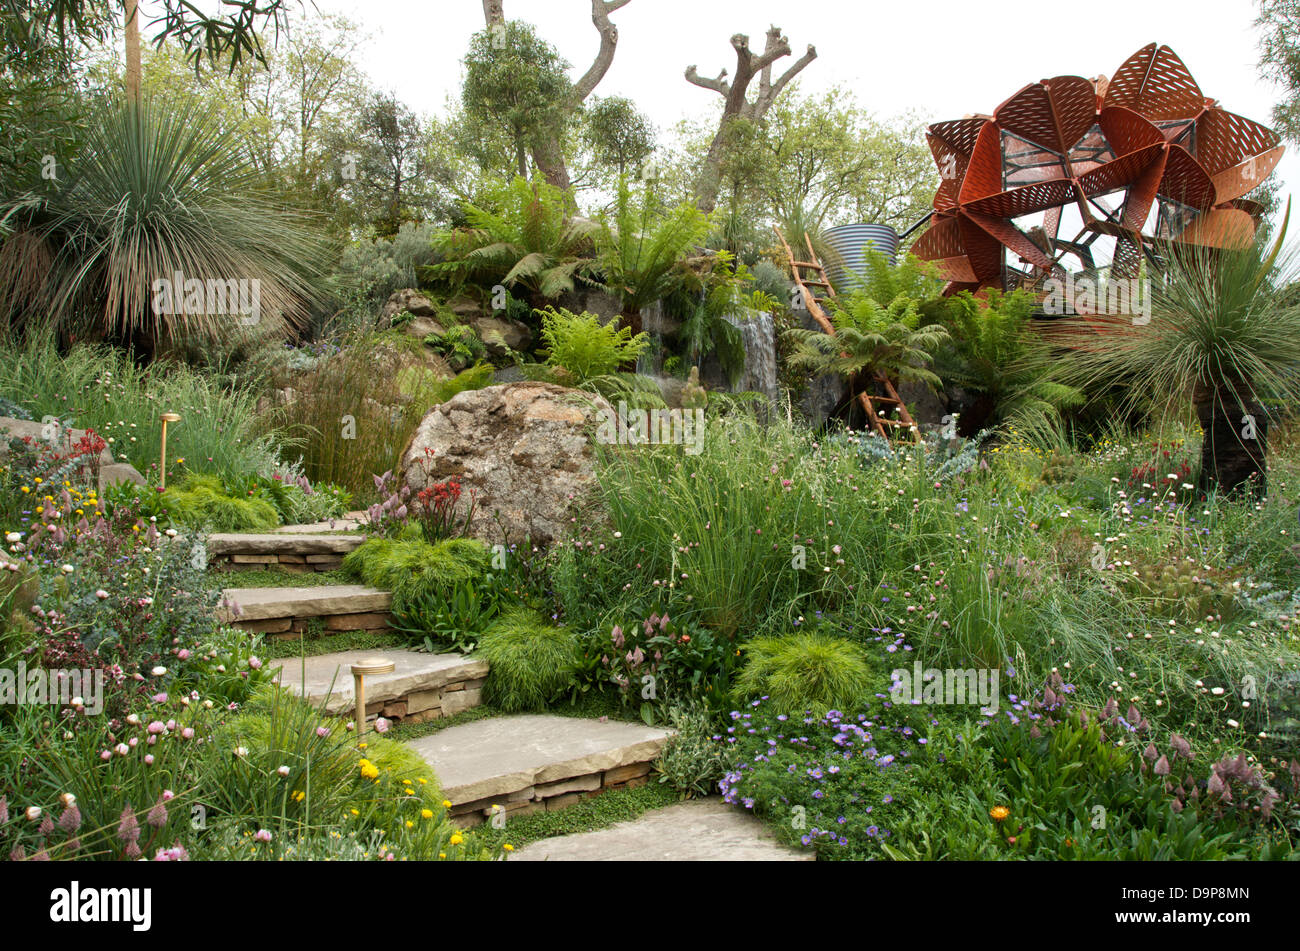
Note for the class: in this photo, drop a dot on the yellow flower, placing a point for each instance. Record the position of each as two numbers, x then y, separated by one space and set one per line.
369 770
446 804
361 746
457 838
38 481
354 812
410 824
298 795
508 847
26 490
999 813
442 855
426 813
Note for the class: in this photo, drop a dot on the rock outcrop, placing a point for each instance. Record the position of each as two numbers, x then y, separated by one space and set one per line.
524 450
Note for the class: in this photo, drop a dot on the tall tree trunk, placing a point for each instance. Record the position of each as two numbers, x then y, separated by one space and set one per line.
1235 443
132 52
494 11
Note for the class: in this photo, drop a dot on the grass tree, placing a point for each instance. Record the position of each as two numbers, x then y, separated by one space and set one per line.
157 189
1223 335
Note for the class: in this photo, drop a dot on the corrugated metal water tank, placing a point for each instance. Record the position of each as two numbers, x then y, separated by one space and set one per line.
849 242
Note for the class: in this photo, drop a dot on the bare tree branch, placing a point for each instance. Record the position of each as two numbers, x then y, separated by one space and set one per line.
765 99
600 11
738 105
719 85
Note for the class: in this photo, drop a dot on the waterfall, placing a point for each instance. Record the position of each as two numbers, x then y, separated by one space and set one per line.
758 330
652 323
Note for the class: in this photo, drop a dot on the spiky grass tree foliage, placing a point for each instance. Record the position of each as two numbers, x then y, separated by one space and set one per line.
156 190
1223 336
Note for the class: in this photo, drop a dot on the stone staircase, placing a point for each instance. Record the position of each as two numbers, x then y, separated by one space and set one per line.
510 765
534 762
287 612
288 550
421 686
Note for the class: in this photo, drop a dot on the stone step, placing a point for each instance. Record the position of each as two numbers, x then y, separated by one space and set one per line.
699 830
345 523
536 762
292 551
421 686
287 610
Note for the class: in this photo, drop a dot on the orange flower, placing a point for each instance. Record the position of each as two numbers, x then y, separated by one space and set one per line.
999 813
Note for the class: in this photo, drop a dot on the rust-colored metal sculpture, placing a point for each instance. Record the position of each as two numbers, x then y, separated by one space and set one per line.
1147 135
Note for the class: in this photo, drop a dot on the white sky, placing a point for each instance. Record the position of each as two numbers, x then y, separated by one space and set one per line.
940 58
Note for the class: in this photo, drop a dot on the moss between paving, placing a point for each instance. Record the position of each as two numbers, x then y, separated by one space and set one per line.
279 578
598 812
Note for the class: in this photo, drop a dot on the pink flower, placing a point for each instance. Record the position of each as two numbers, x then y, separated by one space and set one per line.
381 725
322 731
105 754
188 733
157 726
148 759
183 654
254 663
262 835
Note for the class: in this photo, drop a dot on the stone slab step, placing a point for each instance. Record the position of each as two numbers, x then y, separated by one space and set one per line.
525 760
699 830
420 682
258 604
348 522
229 544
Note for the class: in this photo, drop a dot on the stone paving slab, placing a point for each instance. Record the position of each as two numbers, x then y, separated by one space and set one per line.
277 544
506 755
259 604
414 671
348 522
699 830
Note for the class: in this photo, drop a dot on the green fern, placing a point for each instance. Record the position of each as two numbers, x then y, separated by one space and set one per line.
585 347
521 235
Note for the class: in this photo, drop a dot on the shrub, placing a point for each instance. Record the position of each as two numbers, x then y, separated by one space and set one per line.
531 661
102 389
203 502
356 411
587 348
805 672
415 570
689 759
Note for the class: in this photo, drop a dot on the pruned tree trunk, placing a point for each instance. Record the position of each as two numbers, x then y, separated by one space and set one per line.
132 34
1235 443
738 105
548 154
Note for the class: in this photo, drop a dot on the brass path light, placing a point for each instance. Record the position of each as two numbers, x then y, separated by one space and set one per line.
363 667
162 462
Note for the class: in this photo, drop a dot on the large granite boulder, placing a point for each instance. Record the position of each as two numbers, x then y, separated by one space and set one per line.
524 449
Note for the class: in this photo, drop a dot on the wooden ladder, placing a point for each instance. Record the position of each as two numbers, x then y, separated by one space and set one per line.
877 420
